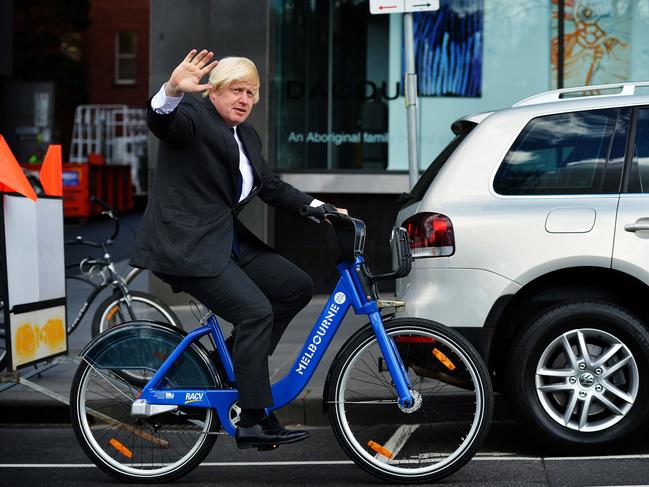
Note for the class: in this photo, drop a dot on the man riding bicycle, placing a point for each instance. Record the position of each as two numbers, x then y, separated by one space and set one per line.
209 167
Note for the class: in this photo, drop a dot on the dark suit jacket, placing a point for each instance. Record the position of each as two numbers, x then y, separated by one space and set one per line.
187 226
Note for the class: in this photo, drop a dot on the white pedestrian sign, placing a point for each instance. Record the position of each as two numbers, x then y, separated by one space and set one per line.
402 6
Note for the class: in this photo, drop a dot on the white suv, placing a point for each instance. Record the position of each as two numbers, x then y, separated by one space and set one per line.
530 233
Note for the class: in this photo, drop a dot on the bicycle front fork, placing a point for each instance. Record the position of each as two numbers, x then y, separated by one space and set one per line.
393 361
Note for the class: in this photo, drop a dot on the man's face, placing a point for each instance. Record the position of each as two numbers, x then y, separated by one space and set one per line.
234 102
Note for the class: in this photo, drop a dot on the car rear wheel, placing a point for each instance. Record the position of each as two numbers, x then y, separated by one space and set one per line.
579 374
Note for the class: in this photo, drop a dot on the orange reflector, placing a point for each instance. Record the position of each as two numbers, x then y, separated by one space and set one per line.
112 312
120 448
160 355
444 359
379 449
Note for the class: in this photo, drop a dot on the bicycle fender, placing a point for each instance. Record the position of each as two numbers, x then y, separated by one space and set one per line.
146 345
118 330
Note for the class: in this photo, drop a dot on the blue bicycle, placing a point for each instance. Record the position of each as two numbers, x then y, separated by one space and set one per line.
408 399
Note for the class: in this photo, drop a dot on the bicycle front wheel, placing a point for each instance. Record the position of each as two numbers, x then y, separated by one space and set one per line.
159 448
113 311
449 421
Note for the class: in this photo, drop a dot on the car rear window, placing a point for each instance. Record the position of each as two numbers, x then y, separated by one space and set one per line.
461 129
563 153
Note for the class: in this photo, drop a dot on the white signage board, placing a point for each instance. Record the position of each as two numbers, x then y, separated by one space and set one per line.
420 5
386 6
34 244
33 275
402 6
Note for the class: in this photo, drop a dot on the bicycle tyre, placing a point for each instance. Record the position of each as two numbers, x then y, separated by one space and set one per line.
3 351
147 306
161 448
436 439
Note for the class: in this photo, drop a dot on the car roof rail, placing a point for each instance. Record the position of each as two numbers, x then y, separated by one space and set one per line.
625 89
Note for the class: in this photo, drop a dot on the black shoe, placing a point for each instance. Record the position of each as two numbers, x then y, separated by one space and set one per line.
266 435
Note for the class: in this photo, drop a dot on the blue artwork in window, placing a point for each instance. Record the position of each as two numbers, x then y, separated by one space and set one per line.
448 49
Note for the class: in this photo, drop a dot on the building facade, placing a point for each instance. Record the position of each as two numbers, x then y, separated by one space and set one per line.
332 113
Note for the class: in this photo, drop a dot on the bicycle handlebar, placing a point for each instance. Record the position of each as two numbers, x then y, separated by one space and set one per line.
351 238
110 212
319 212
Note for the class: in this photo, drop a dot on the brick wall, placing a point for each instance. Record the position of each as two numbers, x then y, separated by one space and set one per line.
107 17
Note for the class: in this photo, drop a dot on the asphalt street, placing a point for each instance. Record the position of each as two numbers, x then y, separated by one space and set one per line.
49 455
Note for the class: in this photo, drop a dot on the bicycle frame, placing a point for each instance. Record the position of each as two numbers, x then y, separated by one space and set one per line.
348 292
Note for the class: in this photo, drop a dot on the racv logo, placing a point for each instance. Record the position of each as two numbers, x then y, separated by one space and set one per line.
193 397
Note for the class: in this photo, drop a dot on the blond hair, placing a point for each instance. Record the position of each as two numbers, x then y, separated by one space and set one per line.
231 69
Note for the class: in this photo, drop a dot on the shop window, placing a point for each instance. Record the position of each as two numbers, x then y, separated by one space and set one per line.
330 94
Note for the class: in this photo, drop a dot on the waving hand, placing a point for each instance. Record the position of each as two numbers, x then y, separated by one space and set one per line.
187 76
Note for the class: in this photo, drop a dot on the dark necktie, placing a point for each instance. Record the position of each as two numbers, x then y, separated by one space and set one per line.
239 177
236 250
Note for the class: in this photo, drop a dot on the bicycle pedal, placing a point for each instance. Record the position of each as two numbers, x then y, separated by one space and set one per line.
266 447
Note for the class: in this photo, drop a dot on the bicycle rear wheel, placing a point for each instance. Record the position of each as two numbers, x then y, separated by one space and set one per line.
162 447
444 430
113 311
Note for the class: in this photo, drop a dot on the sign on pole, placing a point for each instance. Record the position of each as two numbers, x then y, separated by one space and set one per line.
402 6
420 6
407 7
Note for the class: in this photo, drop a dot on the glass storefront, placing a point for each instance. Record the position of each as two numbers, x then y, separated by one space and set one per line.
331 86
337 92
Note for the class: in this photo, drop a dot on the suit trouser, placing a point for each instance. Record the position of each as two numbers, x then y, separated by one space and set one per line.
259 294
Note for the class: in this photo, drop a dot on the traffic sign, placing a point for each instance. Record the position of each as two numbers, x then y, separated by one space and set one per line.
402 6
420 5
386 6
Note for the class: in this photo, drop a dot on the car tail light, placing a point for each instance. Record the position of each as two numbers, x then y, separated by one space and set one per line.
431 235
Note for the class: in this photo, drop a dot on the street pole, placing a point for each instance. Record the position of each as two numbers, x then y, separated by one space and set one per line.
410 84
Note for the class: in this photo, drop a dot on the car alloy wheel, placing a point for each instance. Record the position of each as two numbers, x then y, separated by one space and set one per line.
587 380
578 375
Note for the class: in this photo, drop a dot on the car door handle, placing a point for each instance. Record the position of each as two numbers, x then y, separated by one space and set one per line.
636 227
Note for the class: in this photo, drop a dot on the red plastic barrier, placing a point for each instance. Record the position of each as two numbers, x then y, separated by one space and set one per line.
109 183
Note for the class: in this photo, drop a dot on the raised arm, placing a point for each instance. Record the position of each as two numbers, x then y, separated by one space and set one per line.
169 121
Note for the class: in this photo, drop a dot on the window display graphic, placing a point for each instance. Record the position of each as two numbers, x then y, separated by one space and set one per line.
596 42
32 277
448 49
